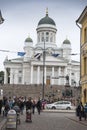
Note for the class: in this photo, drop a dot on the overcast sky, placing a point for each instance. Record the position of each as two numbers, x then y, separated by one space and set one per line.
22 17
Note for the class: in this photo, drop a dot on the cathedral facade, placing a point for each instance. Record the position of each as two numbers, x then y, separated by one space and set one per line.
44 60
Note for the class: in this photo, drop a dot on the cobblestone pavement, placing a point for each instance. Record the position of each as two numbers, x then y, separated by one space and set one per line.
53 121
2 121
1 118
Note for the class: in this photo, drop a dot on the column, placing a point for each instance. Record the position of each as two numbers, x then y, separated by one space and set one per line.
31 74
15 77
70 76
40 37
38 75
5 77
59 74
65 73
52 75
76 79
11 76
23 75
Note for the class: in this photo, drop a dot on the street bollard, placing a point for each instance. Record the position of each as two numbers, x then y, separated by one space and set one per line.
11 123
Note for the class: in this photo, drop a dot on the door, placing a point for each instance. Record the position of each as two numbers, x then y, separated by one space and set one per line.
48 80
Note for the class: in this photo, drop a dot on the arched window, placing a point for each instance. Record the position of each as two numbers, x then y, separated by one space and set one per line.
47 36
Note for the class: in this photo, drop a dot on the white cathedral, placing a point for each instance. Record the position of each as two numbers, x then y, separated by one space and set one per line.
44 60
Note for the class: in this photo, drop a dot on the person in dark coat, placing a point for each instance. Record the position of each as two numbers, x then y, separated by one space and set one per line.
7 108
80 109
29 104
1 106
33 106
85 111
38 105
29 110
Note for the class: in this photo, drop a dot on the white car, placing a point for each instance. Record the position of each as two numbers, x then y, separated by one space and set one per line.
60 105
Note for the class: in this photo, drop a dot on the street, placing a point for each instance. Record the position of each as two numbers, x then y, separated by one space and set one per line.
52 121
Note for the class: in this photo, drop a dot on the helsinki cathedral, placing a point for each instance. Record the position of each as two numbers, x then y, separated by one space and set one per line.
44 60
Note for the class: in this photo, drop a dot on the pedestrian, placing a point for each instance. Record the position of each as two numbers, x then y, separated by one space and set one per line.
29 104
10 102
33 106
80 109
28 110
21 102
7 108
85 111
0 106
39 105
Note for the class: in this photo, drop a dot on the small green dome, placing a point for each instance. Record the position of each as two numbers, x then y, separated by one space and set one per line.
47 20
66 41
28 39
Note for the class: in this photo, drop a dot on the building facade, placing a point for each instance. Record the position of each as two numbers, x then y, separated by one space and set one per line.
82 23
44 59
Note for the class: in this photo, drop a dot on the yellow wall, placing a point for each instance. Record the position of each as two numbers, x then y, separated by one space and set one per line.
83 75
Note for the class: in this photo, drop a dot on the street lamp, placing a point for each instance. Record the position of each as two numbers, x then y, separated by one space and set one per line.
1 18
43 70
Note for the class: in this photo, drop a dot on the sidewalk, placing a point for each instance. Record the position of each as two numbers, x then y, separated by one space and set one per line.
76 119
73 118
2 121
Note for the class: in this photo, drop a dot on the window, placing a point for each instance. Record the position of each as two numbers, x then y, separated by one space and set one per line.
85 65
66 102
72 73
85 35
47 36
20 71
47 33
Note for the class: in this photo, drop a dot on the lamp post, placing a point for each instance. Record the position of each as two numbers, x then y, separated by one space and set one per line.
43 70
1 18
43 66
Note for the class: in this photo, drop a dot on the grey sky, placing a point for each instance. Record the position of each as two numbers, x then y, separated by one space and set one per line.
22 16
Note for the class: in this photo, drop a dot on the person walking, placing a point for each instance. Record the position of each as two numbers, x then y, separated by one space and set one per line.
38 105
28 110
29 104
0 106
33 106
85 111
80 109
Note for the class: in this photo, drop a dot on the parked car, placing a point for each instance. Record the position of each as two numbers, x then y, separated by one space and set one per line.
67 105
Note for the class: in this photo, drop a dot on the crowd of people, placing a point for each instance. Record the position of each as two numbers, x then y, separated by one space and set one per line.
8 103
29 103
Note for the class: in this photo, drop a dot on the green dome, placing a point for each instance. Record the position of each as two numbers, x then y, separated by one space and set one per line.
28 39
66 41
47 20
